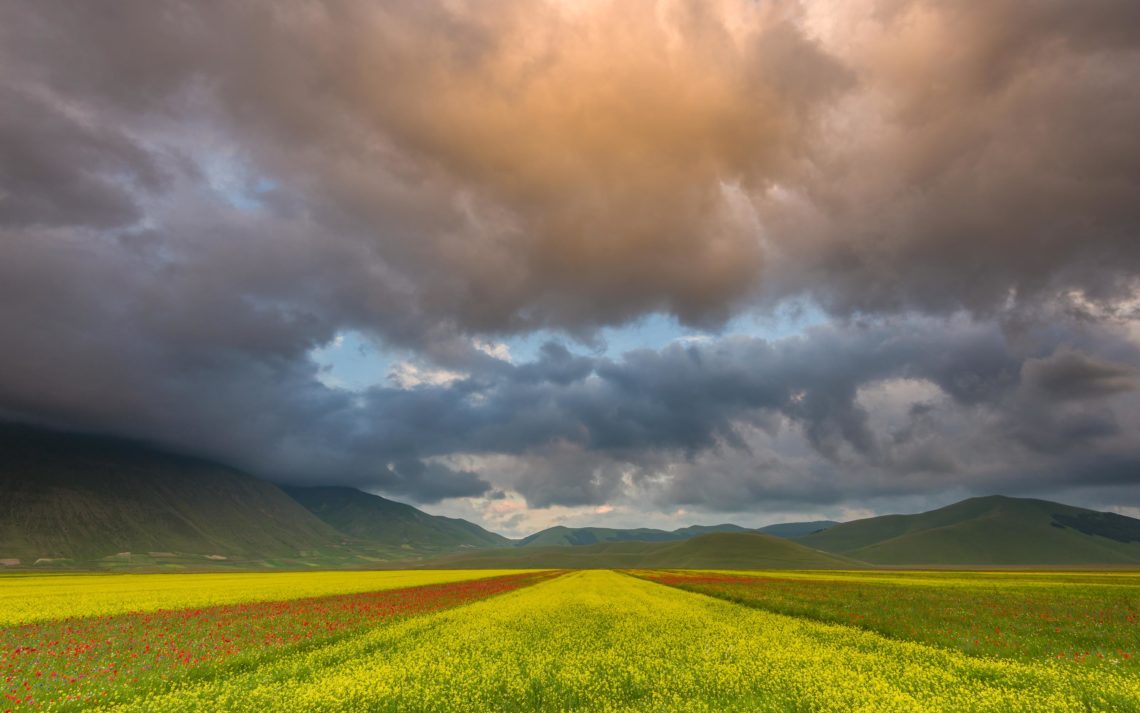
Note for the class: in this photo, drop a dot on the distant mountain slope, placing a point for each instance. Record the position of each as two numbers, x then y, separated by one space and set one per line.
992 530
793 530
728 550
561 536
86 497
374 519
685 533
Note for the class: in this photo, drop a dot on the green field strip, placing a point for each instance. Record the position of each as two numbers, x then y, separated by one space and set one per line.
599 640
1091 625
971 579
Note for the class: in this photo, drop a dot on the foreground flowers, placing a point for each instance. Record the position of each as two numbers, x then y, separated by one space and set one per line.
583 641
81 662
607 641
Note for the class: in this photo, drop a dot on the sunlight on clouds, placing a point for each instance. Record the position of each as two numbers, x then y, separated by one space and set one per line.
409 374
891 401
498 350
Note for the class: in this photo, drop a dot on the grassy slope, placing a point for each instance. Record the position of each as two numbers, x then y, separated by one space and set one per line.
987 531
85 498
372 518
713 551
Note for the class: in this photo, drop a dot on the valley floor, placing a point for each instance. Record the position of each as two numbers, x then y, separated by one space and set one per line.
604 640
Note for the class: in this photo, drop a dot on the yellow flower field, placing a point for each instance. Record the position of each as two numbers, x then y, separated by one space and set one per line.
26 599
604 641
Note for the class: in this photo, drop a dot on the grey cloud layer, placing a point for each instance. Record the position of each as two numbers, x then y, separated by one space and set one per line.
195 195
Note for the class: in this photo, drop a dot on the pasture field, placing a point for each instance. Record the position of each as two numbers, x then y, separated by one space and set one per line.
1091 619
592 640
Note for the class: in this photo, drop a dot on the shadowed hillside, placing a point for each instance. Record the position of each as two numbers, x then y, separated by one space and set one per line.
87 497
374 519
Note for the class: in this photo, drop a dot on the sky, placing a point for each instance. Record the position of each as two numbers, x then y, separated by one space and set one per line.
621 263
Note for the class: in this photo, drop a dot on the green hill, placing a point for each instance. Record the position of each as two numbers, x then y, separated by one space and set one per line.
992 530
795 530
685 533
86 498
373 519
729 550
560 536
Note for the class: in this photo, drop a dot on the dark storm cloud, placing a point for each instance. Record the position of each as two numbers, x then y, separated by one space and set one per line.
789 419
429 482
1071 375
56 170
194 195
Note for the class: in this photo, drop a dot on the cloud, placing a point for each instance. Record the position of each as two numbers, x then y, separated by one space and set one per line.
511 165
430 482
976 163
407 375
1071 375
58 170
888 407
955 184
891 408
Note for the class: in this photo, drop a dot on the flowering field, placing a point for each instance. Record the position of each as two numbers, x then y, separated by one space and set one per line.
43 597
79 662
1086 619
590 640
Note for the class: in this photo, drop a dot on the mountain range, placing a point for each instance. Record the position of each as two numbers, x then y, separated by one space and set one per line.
576 536
718 550
69 500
